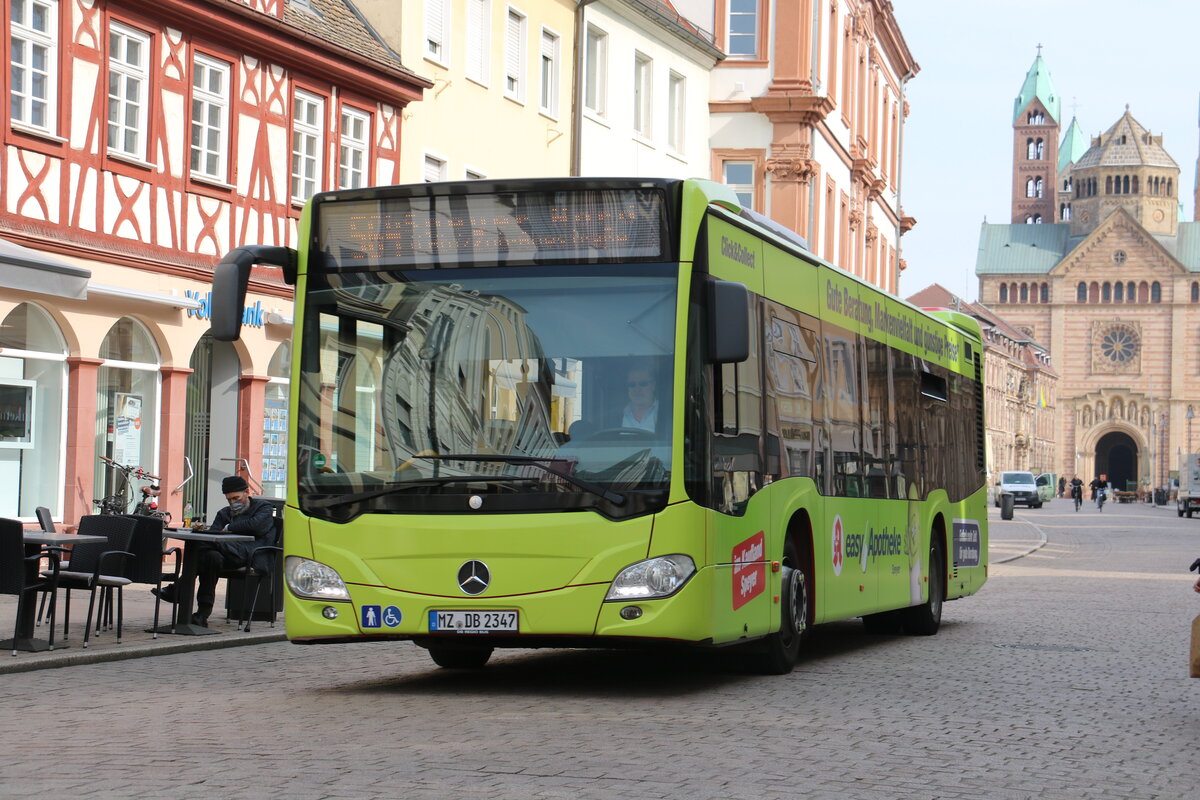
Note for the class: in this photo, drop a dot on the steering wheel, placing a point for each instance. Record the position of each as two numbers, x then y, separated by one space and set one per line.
624 434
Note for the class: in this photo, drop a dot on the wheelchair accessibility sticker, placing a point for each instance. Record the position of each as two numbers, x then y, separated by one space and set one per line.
377 616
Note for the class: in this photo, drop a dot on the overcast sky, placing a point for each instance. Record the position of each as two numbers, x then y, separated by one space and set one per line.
974 55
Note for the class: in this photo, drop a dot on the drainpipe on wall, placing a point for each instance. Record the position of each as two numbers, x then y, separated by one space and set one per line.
577 89
899 176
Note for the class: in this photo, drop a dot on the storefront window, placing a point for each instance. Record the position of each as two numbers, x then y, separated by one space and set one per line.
33 382
127 402
275 426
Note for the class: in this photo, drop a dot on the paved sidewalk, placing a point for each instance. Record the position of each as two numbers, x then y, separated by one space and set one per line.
136 641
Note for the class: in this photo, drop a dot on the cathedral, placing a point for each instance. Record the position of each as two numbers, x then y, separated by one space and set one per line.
1099 266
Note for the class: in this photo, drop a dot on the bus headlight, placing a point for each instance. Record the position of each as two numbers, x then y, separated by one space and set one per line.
314 580
655 577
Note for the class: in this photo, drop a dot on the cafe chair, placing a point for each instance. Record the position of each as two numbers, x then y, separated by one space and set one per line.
266 564
19 572
146 563
95 566
47 523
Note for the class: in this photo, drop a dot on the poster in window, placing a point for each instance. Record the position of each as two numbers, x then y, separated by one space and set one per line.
16 413
127 430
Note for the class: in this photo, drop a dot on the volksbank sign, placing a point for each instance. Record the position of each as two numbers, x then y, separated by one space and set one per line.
251 315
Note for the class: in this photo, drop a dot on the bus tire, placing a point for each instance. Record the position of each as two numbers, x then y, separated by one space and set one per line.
458 656
781 649
925 619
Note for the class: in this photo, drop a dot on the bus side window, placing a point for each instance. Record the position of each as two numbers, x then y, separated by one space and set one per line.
738 427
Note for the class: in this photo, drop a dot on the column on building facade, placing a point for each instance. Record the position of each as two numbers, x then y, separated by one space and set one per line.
80 467
792 52
252 400
173 438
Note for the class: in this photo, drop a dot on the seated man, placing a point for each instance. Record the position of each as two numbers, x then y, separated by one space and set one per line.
243 515
642 409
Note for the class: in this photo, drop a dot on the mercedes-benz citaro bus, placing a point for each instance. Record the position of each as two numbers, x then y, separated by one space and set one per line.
610 412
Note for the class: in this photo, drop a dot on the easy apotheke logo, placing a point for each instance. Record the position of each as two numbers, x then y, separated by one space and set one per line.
251 315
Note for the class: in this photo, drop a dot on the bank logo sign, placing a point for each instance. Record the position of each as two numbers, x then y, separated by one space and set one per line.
749 570
967 543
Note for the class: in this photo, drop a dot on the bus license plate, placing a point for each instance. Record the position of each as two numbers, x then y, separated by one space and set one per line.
473 621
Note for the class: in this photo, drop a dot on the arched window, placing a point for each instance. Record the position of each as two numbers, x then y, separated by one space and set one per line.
1125 184
274 471
34 369
1040 149
1195 292
1156 292
1081 293
1038 187
1030 187
1094 292
1030 149
1024 293
1106 293
1119 293
1037 219
1129 292
1067 214
1028 219
1108 185
1045 292
1170 191
1143 292
127 401
1135 184
1004 292
1033 293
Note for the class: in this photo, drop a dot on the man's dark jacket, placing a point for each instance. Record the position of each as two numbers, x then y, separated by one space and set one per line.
257 521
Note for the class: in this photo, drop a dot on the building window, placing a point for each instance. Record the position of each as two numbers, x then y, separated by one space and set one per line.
549 72
676 111
128 88
595 71
1081 293
33 71
1004 293
126 401
643 94
308 113
210 117
1106 292
275 401
352 149
514 56
34 369
473 174
437 24
739 176
1045 292
1156 292
435 169
743 29
1130 292
479 40
1119 292
1024 293
1195 292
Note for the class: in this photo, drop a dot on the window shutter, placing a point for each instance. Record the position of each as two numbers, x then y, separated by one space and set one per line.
476 40
513 51
433 170
435 23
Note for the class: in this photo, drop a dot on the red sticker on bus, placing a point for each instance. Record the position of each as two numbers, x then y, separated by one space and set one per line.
749 570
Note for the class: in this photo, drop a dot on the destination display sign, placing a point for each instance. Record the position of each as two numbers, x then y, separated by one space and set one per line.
507 228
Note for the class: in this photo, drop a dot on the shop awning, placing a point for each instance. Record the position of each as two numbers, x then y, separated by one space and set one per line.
30 270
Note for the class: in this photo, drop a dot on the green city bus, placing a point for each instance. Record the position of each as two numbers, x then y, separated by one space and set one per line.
611 412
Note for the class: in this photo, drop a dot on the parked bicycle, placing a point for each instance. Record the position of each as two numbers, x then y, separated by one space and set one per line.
119 501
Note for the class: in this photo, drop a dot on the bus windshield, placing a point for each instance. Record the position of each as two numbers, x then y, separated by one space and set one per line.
487 389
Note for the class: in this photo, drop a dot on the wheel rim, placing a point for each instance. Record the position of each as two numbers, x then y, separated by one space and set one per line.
797 608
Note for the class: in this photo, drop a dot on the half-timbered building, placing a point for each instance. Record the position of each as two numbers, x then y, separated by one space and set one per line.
141 141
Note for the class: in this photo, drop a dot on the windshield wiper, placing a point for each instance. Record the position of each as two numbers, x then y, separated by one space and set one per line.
396 488
534 461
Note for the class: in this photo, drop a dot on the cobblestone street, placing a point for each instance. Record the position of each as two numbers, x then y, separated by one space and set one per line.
1066 677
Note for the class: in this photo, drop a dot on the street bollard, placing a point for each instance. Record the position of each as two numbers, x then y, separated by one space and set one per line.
1006 506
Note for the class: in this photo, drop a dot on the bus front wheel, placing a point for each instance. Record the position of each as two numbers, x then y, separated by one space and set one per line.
781 649
459 656
925 619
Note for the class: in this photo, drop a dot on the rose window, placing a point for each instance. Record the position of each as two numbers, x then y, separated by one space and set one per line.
1118 345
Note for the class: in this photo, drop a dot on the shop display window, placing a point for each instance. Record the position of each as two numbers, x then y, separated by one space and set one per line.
127 402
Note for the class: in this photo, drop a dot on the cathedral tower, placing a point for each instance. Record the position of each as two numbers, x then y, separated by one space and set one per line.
1036 114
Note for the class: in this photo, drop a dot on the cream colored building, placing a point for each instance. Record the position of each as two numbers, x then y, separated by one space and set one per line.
500 106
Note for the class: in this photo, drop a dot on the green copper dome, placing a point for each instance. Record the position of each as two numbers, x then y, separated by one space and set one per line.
1037 85
1073 145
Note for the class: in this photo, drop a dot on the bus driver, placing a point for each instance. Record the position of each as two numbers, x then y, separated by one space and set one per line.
642 409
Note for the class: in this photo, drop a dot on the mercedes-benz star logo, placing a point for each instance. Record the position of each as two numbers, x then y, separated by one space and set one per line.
474 577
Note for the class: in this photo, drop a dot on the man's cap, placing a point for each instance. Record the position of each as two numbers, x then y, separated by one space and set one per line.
234 483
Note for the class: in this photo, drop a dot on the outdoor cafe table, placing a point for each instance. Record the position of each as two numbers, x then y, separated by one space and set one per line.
34 541
185 589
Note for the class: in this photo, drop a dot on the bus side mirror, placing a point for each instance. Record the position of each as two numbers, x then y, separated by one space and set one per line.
231 277
728 322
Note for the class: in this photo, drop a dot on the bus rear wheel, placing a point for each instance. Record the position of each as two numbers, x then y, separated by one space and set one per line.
781 649
925 619
459 656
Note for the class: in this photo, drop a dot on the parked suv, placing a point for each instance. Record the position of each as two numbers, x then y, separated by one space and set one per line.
1021 486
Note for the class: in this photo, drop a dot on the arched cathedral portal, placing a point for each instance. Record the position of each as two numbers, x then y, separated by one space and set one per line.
1117 457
